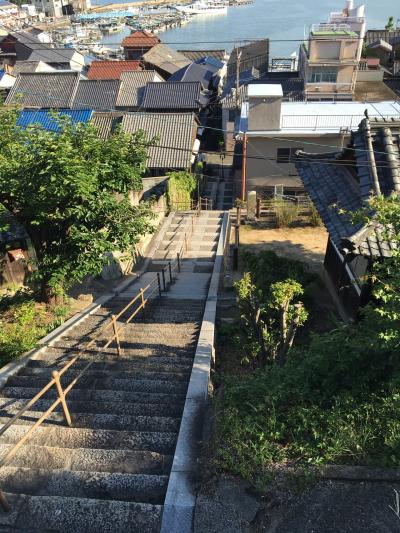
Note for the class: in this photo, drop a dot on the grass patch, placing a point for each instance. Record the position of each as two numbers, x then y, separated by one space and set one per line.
24 322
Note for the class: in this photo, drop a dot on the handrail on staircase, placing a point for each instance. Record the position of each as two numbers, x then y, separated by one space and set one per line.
143 298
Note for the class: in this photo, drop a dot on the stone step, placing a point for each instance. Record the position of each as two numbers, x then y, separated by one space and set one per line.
10 406
131 369
103 421
58 358
96 395
89 459
141 488
79 515
72 437
131 373
105 383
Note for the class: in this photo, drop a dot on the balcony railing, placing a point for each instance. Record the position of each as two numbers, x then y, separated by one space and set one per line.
330 27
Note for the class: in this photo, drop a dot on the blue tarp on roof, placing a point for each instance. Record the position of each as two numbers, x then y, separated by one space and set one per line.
28 117
2 72
211 62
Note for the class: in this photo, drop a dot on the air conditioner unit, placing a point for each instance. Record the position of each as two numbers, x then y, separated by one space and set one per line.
317 89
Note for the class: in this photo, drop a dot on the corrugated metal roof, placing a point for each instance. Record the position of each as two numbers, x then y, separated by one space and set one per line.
43 117
44 89
132 87
96 94
140 39
105 123
111 70
176 133
174 95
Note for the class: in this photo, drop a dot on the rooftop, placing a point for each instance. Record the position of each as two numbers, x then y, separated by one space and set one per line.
264 90
100 95
174 95
323 118
195 55
42 117
140 39
339 182
195 73
333 33
44 89
111 70
165 58
133 85
176 134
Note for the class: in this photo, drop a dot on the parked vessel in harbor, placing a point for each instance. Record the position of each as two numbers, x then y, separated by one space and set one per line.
203 7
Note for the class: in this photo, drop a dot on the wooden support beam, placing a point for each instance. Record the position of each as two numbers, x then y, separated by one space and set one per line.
56 377
114 323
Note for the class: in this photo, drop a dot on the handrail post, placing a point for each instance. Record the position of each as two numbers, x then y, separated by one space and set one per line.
143 304
159 284
114 323
179 261
56 377
4 502
186 244
163 278
170 271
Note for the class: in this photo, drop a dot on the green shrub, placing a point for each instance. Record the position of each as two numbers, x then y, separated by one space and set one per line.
181 186
314 218
286 213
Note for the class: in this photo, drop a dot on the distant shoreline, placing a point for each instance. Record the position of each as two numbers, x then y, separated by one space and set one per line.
118 6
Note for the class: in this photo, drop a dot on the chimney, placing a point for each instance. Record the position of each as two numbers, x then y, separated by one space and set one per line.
265 102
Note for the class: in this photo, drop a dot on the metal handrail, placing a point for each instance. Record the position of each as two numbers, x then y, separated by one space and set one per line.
55 381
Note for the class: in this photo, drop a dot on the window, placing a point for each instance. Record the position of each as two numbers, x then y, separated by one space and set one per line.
322 76
286 155
232 115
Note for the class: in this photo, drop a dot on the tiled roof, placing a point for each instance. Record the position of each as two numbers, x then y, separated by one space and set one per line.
165 58
96 94
194 55
140 39
111 70
44 89
176 133
193 72
43 117
344 181
132 87
53 55
174 95
25 66
394 84
105 123
14 231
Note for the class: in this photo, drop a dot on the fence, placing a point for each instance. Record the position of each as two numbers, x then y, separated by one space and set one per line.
158 284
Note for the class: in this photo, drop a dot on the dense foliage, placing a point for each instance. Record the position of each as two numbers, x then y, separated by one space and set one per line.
70 190
337 399
181 186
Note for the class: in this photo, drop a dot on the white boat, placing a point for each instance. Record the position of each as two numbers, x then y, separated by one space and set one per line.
203 8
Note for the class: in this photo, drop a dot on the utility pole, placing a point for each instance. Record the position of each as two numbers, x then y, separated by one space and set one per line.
238 58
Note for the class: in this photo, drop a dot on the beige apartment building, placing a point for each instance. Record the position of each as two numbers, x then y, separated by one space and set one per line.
329 57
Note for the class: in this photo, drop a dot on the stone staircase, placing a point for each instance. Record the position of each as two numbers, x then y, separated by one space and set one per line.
110 471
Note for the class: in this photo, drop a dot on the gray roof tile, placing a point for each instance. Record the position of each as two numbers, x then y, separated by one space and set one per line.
176 133
100 95
45 89
174 95
132 87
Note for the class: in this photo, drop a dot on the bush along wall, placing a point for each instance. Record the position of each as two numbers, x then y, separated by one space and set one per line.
181 186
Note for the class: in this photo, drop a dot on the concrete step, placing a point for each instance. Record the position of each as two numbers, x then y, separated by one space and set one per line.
10 406
137 371
72 437
105 383
79 394
78 515
104 421
89 459
141 488
58 357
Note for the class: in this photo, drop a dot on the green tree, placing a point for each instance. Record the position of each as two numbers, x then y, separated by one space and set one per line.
70 191
390 24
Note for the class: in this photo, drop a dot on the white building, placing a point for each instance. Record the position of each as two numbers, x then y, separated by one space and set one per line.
274 130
